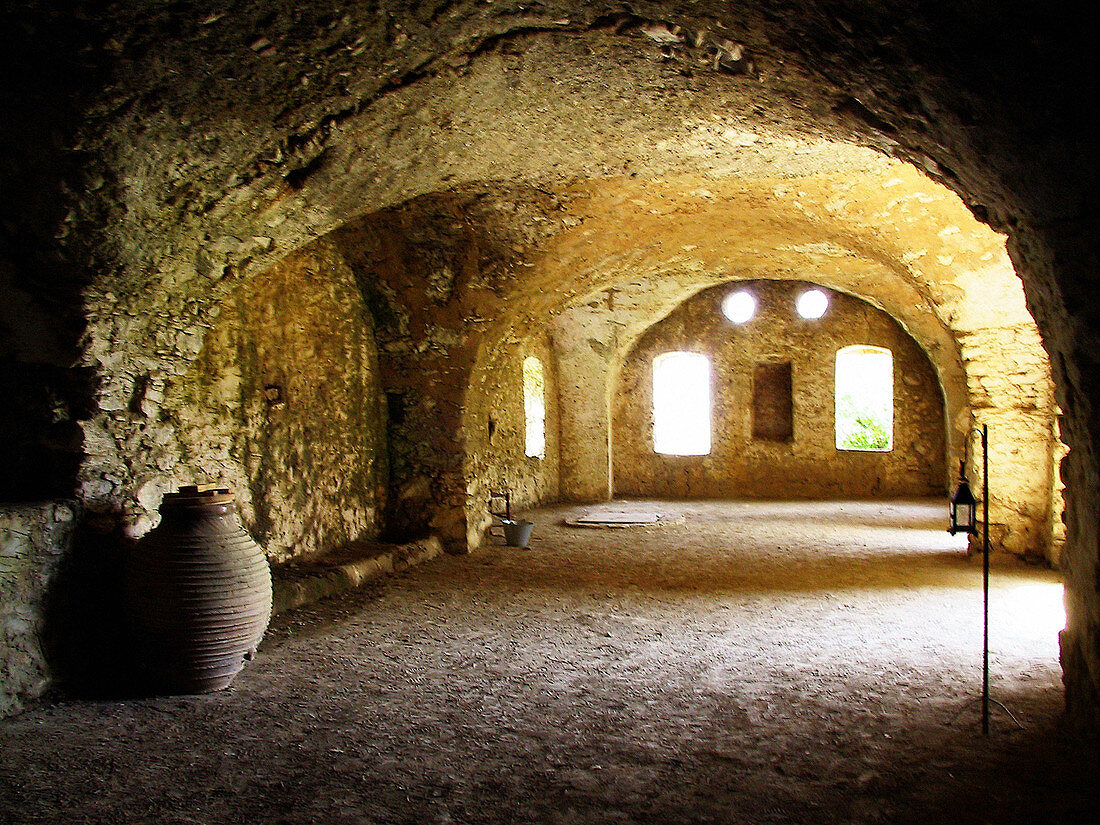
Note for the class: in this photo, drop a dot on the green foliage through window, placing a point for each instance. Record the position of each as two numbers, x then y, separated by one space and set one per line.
864 399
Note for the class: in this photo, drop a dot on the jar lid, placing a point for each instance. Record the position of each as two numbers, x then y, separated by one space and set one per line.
195 495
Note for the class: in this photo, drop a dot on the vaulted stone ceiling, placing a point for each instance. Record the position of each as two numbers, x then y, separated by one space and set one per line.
166 153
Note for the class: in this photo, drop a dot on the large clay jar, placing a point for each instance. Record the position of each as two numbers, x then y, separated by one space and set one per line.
198 594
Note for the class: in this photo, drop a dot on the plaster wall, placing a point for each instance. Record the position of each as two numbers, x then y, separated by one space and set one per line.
809 465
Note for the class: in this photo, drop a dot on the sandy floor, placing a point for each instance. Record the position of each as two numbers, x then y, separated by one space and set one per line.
746 663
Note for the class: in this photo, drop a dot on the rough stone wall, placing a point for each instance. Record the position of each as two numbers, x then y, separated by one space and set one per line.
1071 252
809 465
194 222
416 268
283 404
1010 390
40 441
34 540
437 274
586 346
147 144
495 427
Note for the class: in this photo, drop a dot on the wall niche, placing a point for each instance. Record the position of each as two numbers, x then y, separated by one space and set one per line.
772 401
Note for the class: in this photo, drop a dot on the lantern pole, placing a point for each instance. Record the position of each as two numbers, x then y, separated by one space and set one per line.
985 579
963 496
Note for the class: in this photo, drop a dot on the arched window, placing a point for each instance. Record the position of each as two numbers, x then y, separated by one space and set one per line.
681 404
534 407
864 398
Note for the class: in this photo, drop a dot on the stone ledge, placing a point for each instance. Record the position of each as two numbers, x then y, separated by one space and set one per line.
296 585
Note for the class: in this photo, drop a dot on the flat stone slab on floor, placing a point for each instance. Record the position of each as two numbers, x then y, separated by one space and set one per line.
618 514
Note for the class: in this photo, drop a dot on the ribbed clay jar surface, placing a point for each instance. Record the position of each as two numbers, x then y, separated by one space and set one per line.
198 594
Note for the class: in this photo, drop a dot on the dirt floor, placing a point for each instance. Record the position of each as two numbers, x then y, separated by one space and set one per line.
744 663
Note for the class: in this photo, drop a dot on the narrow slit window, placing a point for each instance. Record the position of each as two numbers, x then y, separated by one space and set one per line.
681 404
534 407
864 399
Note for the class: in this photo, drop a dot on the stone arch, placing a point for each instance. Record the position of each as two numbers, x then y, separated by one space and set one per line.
171 182
676 139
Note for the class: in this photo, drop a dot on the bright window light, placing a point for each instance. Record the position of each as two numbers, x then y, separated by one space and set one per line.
739 306
681 404
534 406
864 399
812 304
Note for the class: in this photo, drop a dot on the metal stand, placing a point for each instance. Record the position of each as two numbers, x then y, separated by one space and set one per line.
507 496
985 579
962 519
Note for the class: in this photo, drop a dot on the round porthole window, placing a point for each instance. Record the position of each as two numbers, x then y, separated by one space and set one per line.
739 306
812 304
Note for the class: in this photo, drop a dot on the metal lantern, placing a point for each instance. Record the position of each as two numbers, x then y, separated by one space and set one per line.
964 507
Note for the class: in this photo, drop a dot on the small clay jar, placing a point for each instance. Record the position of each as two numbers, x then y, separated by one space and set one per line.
198 594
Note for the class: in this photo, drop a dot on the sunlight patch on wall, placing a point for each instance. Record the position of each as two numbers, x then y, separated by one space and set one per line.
1039 606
